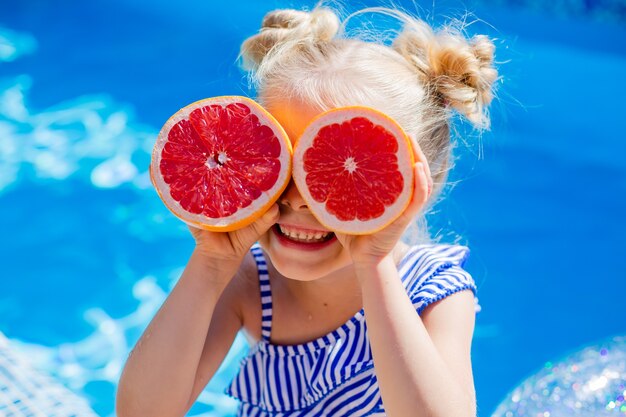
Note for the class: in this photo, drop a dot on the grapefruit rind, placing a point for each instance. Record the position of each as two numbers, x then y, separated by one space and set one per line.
243 216
405 157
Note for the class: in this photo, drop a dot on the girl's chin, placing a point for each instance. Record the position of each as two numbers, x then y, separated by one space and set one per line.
305 272
304 265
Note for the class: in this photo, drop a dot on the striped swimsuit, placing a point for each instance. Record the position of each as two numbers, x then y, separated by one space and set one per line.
334 374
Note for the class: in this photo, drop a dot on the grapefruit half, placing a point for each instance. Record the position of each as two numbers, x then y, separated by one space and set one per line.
354 168
221 162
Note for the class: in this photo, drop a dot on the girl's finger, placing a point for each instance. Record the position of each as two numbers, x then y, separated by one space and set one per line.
420 157
342 238
421 191
248 235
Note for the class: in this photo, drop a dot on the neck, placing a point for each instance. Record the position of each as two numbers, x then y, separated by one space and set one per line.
335 289
340 287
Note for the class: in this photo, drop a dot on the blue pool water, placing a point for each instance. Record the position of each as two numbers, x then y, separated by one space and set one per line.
89 252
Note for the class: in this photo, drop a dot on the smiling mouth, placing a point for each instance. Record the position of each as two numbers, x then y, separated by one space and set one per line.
303 236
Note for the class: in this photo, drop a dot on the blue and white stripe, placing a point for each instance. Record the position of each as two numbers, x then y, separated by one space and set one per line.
433 272
266 293
334 374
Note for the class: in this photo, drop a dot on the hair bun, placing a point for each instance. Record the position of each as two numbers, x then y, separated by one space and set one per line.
460 71
284 19
287 25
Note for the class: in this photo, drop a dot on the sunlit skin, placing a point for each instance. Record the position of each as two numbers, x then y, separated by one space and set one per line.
312 293
329 262
366 264
296 264
295 117
317 274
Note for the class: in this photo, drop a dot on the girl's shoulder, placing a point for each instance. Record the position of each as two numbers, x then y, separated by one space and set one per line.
422 254
431 272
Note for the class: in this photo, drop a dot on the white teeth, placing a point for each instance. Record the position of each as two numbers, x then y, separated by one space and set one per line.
303 236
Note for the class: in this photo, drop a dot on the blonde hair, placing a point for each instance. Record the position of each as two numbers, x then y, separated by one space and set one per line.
416 80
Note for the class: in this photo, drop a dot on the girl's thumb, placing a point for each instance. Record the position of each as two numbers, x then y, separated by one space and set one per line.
268 219
261 225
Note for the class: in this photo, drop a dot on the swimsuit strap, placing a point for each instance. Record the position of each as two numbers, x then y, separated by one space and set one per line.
266 293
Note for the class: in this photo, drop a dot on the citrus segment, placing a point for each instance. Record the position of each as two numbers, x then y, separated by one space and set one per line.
353 167
220 163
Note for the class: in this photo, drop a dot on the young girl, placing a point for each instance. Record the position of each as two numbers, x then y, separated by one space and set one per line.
364 325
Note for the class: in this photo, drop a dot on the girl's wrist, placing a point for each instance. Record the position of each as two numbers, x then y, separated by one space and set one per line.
365 269
217 270
214 259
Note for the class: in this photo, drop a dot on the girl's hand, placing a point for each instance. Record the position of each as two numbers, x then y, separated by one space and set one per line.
371 249
231 247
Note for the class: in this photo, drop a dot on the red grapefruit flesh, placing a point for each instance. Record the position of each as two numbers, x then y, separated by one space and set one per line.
220 163
354 168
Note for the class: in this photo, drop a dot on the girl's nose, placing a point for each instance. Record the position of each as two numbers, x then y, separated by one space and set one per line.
291 197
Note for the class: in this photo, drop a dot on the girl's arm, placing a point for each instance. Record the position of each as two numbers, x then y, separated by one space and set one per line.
422 363
159 378
188 338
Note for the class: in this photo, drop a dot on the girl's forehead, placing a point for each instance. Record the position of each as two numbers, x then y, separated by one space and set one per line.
293 115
